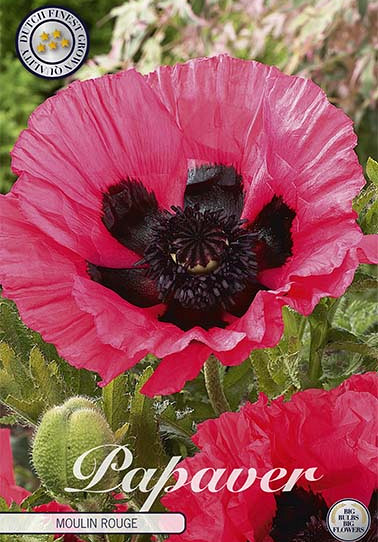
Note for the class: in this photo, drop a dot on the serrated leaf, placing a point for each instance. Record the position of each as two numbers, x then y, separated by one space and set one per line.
22 384
116 402
32 374
45 377
372 171
363 283
3 505
357 313
12 329
7 385
260 362
7 354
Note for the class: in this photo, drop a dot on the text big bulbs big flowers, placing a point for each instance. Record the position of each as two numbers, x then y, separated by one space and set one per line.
177 213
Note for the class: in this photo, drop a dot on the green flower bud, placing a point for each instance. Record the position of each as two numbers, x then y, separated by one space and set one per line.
64 434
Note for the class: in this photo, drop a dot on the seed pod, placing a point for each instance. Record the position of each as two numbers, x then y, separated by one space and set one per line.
64 434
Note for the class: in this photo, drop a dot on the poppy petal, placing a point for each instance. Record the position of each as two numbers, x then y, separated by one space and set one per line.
368 249
8 488
47 304
183 366
216 102
78 144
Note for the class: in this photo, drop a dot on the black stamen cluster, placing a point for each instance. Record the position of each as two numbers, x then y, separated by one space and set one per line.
190 238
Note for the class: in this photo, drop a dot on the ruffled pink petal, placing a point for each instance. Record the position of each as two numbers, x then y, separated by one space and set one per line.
9 491
130 328
176 369
228 442
6 464
368 249
304 293
280 132
216 102
262 324
305 154
367 382
90 136
39 276
334 431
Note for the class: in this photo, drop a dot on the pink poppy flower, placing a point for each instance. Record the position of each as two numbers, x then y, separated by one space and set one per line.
175 214
335 431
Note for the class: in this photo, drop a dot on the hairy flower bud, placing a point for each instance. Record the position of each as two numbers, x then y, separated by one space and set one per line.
66 432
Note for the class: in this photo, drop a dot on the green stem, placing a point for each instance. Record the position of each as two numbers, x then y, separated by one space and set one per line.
214 386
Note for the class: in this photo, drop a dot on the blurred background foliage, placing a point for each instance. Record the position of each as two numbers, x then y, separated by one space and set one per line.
335 42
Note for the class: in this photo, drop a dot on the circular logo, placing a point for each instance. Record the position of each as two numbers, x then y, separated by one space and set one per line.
52 42
348 520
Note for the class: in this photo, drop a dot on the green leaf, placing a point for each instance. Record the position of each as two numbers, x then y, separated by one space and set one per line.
12 330
261 364
144 432
45 377
10 420
32 375
39 497
16 370
30 410
372 171
369 222
341 339
116 402
356 313
366 203
362 283
362 201
177 426
238 383
278 369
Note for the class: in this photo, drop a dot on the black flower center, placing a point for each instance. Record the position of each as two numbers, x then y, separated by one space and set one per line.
201 261
301 517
